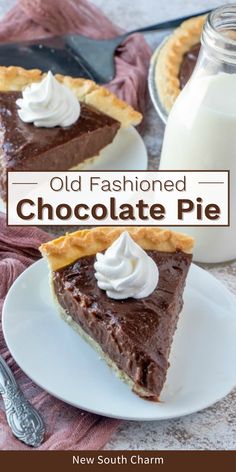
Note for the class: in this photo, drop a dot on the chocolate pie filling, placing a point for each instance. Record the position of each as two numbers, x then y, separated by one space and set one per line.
135 334
188 64
26 147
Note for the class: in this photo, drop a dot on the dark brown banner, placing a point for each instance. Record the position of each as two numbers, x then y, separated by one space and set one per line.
165 461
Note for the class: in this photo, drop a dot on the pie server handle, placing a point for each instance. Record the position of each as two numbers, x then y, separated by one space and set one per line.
24 421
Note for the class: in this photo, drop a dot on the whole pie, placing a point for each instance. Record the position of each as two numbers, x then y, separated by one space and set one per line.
176 60
24 146
134 335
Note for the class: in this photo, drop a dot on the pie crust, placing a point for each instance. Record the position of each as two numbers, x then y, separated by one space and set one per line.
16 78
170 58
67 249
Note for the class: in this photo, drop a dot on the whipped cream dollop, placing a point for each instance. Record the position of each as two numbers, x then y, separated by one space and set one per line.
125 270
48 103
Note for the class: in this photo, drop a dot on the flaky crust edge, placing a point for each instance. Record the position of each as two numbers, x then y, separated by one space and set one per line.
15 78
63 251
170 57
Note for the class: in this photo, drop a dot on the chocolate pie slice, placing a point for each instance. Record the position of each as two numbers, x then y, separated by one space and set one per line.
24 146
134 335
177 59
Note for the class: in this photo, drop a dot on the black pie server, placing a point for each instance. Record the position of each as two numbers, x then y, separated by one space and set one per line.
74 55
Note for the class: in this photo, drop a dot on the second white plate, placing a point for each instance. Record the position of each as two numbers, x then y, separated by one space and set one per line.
203 355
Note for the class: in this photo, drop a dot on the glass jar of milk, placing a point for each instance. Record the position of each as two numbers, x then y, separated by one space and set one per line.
201 127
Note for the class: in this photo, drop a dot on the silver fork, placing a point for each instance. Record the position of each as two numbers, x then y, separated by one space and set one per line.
24 421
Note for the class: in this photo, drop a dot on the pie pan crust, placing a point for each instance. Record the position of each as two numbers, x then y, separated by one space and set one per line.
15 78
63 251
170 58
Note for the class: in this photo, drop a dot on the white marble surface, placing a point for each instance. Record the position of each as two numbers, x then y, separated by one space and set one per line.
215 427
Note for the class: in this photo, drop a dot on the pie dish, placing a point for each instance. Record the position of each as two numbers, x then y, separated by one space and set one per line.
134 336
26 147
176 60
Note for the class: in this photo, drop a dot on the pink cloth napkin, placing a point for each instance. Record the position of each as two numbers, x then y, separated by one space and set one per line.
40 18
67 428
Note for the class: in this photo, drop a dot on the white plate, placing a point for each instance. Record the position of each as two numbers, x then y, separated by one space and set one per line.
203 355
127 152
